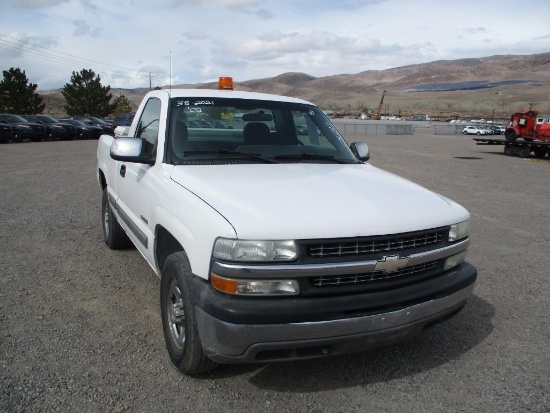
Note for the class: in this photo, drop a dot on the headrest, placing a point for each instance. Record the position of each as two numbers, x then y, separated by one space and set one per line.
256 133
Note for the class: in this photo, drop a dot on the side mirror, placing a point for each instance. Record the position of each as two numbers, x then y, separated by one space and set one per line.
360 150
129 150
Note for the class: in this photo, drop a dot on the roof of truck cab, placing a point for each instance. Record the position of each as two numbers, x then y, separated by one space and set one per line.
231 94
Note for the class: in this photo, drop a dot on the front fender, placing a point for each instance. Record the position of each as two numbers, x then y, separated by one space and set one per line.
190 220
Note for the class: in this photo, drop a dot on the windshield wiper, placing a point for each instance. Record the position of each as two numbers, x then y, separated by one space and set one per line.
311 156
228 152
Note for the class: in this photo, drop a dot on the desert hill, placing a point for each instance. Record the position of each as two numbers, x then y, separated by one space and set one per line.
489 86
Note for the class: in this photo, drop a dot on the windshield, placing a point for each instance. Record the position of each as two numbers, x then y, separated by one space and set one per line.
42 118
207 130
13 119
47 119
73 122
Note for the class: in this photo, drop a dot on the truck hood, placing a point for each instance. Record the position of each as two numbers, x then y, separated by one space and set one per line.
308 201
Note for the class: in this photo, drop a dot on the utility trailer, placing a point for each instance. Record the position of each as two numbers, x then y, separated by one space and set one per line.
519 147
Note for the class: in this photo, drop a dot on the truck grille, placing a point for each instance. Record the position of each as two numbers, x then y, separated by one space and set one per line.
377 245
405 274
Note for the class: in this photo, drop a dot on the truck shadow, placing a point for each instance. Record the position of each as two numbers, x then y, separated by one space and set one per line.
434 347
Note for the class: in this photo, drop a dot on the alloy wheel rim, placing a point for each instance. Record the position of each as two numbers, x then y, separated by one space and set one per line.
176 314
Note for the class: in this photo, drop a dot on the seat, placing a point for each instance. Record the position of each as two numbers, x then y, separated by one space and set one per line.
256 133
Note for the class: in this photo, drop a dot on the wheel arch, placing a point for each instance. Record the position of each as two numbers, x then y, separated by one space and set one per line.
165 245
101 179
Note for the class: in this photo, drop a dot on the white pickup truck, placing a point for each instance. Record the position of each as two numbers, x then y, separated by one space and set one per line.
273 239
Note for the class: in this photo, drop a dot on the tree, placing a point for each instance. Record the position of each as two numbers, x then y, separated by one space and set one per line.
85 96
122 105
16 96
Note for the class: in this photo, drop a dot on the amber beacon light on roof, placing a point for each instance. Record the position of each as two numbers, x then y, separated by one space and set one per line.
225 83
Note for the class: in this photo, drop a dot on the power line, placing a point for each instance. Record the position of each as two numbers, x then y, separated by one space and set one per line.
43 53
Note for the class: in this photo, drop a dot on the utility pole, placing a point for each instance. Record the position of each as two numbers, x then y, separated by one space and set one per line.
150 83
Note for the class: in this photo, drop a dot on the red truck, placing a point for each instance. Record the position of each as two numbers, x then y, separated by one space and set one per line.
526 133
528 125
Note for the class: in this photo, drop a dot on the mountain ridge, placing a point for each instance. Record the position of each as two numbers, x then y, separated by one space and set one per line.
499 83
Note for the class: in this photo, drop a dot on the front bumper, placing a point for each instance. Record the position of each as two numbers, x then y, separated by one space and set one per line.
246 330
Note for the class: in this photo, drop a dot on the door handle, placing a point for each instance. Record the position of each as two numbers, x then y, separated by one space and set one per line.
123 170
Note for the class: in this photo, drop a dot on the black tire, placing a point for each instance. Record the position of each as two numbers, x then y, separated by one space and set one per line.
524 151
179 322
113 234
510 135
510 150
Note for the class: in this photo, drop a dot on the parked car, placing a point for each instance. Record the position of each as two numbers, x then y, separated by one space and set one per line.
54 128
474 130
85 131
6 134
487 129
123 119
108 127
23 129
497 130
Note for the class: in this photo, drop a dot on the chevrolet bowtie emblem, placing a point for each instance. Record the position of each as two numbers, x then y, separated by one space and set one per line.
391 263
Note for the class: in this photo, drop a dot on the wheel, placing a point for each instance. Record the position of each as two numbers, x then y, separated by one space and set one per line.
523 151
479 133
540 152
178 317
113 234
510 135
510 150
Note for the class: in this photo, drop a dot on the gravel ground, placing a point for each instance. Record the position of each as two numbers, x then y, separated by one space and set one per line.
80 328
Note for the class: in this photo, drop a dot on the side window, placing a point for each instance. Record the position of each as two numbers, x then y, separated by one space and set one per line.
148 126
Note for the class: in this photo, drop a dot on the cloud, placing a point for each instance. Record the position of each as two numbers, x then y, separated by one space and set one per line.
276 44
18 44
81 28
222 3
38 4
252 7
474 30
195 35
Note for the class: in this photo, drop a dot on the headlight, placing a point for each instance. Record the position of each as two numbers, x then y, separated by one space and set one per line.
258 251
255 287
459 231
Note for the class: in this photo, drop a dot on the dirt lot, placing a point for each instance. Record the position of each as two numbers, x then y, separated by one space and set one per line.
80 328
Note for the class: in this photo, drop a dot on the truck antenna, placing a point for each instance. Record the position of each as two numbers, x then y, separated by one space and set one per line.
170 87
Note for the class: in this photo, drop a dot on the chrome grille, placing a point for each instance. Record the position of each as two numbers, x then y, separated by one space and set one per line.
373 277
375 246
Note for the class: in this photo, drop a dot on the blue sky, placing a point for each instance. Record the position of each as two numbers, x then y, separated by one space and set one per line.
126 40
